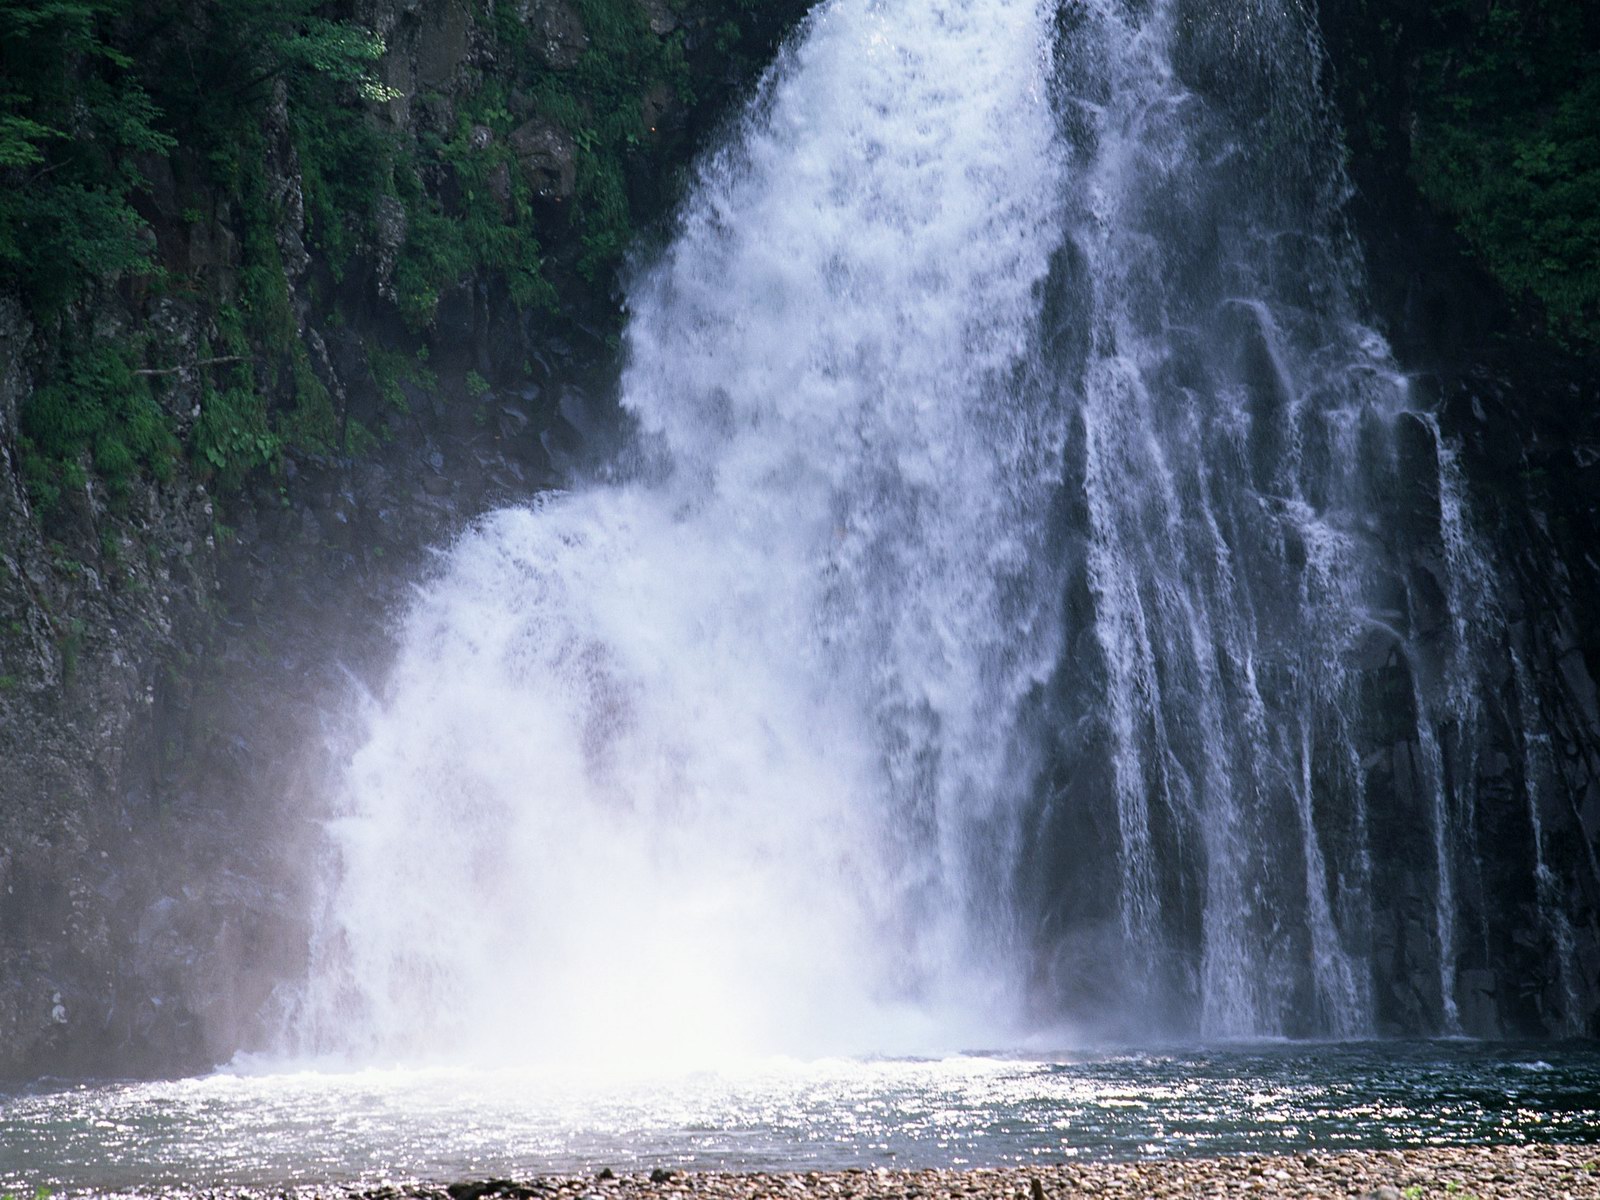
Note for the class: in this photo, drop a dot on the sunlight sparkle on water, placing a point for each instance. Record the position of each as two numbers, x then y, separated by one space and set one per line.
245 1127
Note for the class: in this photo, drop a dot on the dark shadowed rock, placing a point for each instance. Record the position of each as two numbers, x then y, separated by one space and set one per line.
547 157
560 38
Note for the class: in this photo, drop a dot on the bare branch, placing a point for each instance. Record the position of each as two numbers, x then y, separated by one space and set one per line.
204 362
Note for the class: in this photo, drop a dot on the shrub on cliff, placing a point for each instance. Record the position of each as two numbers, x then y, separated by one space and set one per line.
73 118
1492 109
196 149
1509 141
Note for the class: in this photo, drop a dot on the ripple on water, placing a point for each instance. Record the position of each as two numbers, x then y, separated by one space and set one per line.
247 1129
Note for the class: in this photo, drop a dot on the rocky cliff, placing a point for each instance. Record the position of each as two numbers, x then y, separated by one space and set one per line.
1473 152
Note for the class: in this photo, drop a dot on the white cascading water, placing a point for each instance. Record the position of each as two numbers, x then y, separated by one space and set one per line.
1294 624
696 763
1224 389
1024 575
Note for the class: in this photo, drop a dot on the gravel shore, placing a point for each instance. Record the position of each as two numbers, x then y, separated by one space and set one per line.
1542 1172
1477 1173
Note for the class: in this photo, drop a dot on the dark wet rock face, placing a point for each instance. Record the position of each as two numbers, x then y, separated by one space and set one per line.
1519 405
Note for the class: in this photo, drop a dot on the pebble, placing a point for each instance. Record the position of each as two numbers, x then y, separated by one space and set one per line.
1465 1173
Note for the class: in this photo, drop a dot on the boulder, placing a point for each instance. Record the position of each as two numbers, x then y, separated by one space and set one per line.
559 36
660 15
547 157
444 44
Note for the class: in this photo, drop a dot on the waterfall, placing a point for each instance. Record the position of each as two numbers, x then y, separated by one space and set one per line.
718 757
1228 396
1029 598
1283 640
1539 770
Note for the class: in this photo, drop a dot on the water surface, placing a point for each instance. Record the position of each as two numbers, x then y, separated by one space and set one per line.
978 1110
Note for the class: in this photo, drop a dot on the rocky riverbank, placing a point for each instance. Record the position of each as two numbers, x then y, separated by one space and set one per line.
1467 1173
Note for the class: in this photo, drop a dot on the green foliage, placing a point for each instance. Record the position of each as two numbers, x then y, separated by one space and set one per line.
346 164
231 436
311 423
316 49
1508 141
95 412
96 95
488 226
74 121
623 63
71 647
434 257
1370 40
327 69
391 369
21 140
235 433
227 55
